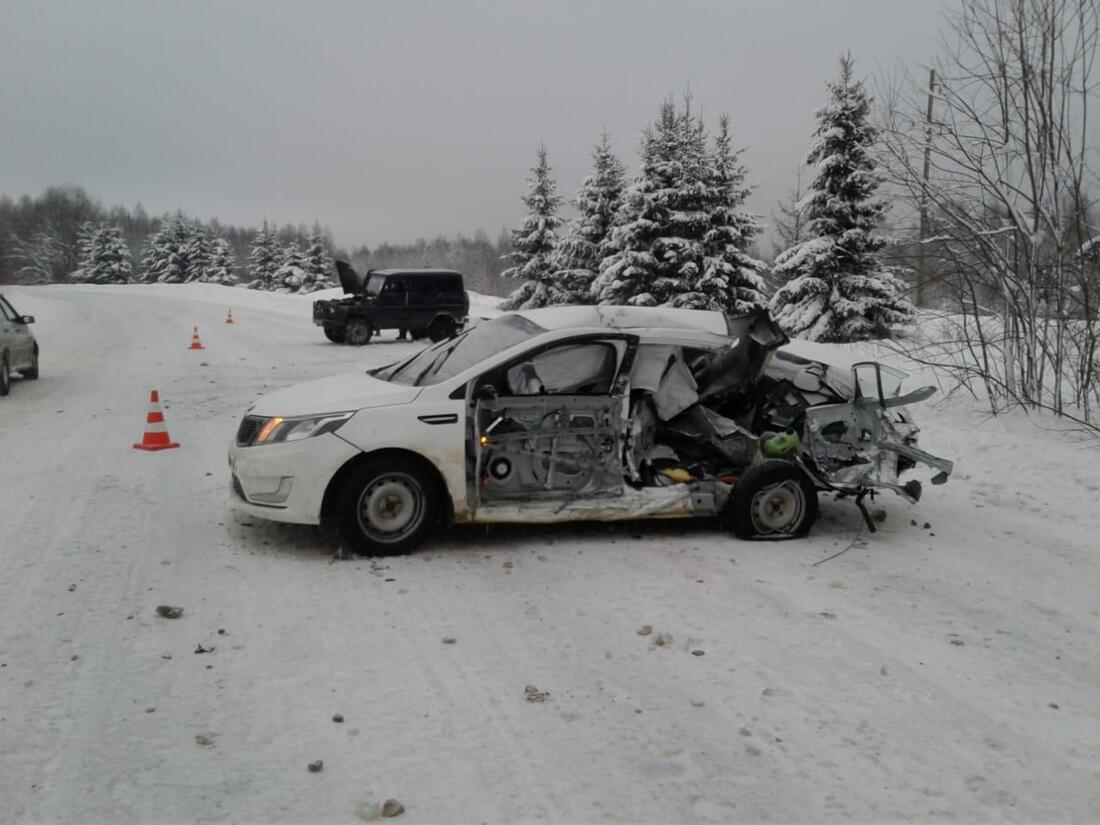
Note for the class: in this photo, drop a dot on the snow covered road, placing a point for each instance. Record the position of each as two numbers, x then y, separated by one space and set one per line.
942 674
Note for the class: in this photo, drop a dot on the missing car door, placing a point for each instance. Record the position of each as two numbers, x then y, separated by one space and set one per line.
549 426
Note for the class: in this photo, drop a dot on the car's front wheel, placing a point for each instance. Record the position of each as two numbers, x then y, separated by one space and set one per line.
388 505
5 375
358 332
773 500
31 372
334 333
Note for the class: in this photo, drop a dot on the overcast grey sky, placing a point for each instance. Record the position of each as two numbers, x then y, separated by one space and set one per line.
394 120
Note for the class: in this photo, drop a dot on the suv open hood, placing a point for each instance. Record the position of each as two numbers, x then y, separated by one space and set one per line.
340 393
352 282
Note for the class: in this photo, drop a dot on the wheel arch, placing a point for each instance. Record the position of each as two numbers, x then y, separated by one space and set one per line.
332 491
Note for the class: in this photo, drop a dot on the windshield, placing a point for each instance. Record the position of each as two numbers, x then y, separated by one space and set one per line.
448 358
374 285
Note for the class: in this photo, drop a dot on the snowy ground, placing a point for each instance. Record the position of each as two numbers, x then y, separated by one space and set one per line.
940 674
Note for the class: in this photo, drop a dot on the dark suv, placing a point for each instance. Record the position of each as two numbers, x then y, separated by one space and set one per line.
431 302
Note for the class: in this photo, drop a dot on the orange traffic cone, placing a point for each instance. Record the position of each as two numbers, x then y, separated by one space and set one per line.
195 342
156 434
229 317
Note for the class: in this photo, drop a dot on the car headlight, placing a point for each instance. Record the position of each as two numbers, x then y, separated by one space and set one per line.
278 430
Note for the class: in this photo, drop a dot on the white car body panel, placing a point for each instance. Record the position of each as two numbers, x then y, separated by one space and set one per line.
338 393
310 463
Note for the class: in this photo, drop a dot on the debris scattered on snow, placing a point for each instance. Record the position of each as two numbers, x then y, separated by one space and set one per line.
533 694
662 639
645 630
338 718
449 640
391 807
72 587
201 649
167 612
315 767
879 515
698 652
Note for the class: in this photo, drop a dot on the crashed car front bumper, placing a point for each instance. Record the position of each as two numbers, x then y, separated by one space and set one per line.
287 482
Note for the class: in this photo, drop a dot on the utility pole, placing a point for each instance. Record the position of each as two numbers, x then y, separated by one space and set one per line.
922 267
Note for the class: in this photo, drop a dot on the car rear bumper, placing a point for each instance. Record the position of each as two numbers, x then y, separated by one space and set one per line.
286 482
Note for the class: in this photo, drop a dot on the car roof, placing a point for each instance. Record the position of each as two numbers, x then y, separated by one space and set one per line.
628 318
413 272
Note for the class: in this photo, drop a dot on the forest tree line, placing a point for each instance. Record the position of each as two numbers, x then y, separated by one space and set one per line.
43 240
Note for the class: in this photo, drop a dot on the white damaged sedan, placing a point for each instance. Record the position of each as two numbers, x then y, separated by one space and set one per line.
580 413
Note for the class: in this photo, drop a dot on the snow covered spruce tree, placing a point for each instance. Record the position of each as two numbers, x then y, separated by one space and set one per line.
534 243
166 259
105 256
220 262
835 286
584 245
196 254
290 272
731 278
679 238
264 260
316 264
630 272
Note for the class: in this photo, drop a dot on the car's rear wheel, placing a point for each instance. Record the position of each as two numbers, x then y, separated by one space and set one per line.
358 332
387 506
31 372
334 333
5 375
441 328
773 500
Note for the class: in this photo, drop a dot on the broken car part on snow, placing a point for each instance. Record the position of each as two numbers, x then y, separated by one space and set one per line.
582 413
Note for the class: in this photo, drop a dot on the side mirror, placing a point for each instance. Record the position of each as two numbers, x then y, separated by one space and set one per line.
25 319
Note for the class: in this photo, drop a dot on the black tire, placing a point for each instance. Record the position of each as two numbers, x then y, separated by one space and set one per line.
773 500
334 333
357 332
441 328
387 506
5 375
31 372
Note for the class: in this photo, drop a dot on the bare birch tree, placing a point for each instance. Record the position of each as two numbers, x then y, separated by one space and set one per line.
1003 171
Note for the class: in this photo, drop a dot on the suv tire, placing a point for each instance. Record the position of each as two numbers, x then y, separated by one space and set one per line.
357 332
441 328
334 333
772 500
5 375
387 506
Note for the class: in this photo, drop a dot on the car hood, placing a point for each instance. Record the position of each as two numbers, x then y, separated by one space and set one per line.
340 393
350 280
